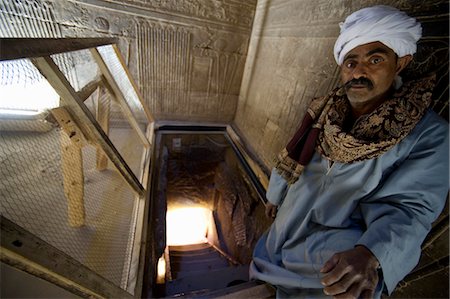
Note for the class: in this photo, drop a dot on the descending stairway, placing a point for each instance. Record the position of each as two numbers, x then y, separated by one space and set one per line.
200 271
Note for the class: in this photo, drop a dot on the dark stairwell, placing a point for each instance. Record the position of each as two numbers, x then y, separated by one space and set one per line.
202 173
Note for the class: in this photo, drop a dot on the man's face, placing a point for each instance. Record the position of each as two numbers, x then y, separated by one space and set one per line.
369 70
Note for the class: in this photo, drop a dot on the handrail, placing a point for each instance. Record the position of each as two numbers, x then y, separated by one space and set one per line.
16 48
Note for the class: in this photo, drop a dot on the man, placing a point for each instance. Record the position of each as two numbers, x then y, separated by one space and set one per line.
363 178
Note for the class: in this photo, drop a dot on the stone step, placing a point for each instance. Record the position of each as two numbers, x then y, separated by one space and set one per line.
202 281
185 269
191 247
193 254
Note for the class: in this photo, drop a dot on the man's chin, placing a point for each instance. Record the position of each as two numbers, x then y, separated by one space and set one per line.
357 96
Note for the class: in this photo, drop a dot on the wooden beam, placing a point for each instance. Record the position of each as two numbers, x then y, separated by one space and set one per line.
118 96
134 279
72 142
103 107
69 126
133 83
27 252
73 180
90 88
84 118
15 48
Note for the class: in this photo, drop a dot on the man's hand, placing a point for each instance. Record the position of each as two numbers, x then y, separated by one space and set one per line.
271 210
351 274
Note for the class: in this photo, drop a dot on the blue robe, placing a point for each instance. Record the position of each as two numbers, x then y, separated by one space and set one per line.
386 204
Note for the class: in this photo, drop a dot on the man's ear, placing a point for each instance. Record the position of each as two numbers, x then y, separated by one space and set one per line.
403 62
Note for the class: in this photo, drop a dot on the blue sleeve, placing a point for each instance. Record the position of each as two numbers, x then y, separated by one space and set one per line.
399 214
277 188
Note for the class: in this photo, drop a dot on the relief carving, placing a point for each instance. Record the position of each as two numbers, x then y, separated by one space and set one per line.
217 68
164 66
231 13
101 24
22 18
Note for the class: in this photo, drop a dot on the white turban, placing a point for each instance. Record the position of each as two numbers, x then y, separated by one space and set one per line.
380 23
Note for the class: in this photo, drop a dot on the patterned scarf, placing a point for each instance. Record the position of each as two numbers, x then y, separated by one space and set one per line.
372 134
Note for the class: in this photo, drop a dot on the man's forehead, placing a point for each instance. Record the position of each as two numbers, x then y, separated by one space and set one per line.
369 49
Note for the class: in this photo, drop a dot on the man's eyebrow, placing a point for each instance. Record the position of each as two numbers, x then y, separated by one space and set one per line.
371 52
350 56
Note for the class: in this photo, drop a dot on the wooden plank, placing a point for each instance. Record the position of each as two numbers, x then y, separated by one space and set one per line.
72 141
134 279
27 252
73 180
69 126
133 83
118 96
84 118
90 88
103 108
15 48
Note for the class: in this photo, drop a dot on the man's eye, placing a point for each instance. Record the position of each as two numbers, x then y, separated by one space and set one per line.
376 60
350 64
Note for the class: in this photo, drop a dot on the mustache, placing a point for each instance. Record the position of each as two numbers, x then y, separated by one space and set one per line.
360 81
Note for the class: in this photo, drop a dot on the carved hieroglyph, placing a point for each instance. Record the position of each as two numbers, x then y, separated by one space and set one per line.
189 74
217 71
231 11
164 62
32 18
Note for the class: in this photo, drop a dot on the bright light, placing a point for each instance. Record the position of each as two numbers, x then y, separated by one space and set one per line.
187 225
23 91
36 97
161 274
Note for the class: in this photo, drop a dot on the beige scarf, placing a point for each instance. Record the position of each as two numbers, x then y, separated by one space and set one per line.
371 135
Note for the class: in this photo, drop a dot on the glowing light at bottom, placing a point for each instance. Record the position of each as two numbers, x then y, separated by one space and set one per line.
187 225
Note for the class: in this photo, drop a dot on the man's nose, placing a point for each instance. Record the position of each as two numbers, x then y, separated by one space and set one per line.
360 70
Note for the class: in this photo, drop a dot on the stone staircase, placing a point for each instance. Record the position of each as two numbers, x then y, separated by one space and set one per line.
201 271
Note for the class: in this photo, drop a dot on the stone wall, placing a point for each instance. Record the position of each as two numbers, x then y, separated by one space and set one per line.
187 56
290 61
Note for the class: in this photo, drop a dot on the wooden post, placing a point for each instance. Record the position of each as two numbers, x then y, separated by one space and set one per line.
84 118
118 96
72 142
103 107
90 88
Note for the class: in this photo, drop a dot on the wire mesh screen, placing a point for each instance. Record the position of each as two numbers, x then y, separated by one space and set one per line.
102 104
41 171
34 19
117 70
23 88
19 72
78 67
